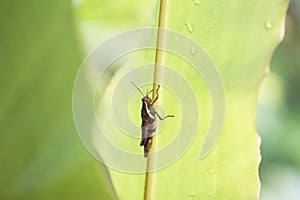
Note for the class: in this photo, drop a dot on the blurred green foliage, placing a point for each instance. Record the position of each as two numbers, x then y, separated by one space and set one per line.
284 132
40 153
279 110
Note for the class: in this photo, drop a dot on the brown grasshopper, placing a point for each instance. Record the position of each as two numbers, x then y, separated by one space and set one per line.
148 119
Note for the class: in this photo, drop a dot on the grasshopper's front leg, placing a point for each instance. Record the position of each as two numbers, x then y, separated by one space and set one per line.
161 118
156 96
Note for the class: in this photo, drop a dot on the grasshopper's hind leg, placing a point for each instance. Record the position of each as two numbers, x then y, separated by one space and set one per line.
162 118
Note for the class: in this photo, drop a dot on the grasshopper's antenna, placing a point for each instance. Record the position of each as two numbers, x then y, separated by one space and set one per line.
137 88
148 92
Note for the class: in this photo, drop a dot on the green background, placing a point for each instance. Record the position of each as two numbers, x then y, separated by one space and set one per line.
42 47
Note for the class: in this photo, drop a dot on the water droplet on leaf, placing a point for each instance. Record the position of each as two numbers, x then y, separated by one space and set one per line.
215 14
190 27
193 50
192 195
196 2
269 24
210 194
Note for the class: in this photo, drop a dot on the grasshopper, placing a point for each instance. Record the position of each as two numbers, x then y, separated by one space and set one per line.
148 114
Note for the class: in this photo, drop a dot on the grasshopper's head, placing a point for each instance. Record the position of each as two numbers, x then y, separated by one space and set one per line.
146 99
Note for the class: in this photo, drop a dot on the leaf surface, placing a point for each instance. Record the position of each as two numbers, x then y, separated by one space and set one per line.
239 37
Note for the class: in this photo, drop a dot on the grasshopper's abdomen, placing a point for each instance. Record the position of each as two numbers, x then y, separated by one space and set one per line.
148 126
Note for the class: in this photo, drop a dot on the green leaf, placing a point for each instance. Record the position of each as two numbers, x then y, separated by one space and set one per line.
41 155
239 37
